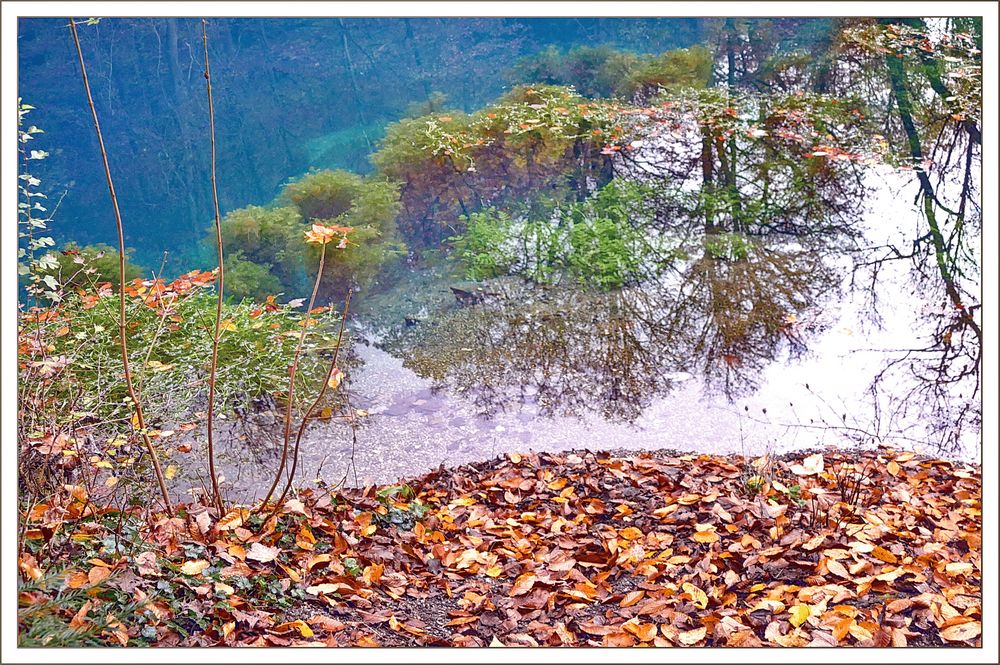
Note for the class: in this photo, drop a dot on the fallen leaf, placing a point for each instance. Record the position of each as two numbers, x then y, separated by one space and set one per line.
262 553
692 637
962 632
523 584
798 615
298 625
194 567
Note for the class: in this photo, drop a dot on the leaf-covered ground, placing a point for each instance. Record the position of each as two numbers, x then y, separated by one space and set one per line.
832 549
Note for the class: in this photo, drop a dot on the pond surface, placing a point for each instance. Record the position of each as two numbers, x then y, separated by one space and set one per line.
771 352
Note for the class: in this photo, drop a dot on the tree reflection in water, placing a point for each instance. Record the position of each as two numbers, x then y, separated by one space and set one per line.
568 351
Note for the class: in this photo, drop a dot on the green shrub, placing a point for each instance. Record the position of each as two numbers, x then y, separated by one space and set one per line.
673 70
369 205
606 241
265 248
269 237
246 279
484 247
535 140
604 71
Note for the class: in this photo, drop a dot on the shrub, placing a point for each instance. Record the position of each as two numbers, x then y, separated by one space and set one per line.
604 71
266 252
269 237
535 140
368 205
605 241
246 279
673 70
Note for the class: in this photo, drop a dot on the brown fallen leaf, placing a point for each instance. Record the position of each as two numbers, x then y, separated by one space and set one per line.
194 567
632 597
523 584
98 574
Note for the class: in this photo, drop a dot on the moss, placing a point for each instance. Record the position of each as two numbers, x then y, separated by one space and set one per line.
267 252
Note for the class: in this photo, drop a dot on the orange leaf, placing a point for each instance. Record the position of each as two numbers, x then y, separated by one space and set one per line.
98 574
962 632
705 536
883 554
632 597
523 584
644 631
298 625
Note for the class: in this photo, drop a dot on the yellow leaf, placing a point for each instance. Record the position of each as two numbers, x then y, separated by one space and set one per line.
698 597
705 536
170 471
494 571
194 567
227 325
298 625
798 615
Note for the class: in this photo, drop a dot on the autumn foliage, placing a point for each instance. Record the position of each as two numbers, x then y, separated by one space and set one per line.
872 548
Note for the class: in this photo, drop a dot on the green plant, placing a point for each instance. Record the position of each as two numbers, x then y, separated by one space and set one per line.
399 507
67 352
47 614
246 279
728 246
606 241
604 71
534 139
266 252
267 237
34 271
484 247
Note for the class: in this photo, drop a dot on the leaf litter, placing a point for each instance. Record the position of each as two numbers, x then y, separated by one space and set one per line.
838 548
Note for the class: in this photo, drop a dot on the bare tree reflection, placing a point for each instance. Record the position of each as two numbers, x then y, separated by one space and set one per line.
568 351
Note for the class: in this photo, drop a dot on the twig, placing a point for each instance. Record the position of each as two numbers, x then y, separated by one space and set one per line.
291 382
123 344
216 495
312 407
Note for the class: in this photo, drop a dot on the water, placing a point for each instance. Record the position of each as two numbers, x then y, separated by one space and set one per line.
556 368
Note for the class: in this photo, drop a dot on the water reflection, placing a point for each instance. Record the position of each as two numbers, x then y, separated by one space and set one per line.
722 315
